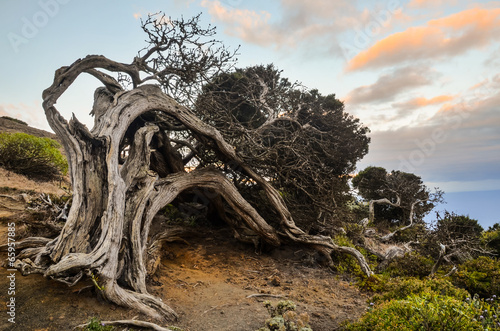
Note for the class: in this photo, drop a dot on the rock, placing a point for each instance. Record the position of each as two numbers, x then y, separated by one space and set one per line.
276 281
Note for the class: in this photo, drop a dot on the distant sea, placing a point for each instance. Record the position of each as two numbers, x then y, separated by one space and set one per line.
483 206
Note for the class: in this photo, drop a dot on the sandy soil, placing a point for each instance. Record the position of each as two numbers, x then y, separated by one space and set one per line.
24 184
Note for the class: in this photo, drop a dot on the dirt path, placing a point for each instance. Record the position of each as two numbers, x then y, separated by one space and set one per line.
208 283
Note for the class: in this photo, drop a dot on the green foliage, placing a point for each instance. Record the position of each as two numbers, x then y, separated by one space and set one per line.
95 280
15 120
96 325
370 182
458 226
181 217
491 238
411 264
430 312
284 317
344 263
375 183
34 157
171 212
357 209
374 283
413 233
401 288
479 276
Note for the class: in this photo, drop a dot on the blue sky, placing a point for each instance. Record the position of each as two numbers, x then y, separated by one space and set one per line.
424 75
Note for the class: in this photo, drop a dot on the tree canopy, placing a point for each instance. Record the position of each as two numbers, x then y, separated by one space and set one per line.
304 143
401 189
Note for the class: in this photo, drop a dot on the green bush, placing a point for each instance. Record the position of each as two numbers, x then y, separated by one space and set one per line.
479 276
344 263
430 312
413 233
284 317
374 283
96 325
491 238
401 288
34 157
410 265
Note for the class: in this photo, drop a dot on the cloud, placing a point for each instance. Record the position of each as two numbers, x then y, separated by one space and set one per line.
248 25
440 38
299 22
461 144
30 113
421 102
494 59
388 86
430 3
467 186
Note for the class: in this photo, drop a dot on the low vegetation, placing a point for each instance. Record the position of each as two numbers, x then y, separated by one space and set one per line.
34 157
479 276
285 318
431 311
96 325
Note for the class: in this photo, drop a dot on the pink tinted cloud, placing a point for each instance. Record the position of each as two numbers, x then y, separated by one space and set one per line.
30 113
300 22
422 102
246 24
430 3
389 85
448 36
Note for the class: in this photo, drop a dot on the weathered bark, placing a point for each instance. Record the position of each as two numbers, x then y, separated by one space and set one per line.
140 324
439 261
107 232
410 224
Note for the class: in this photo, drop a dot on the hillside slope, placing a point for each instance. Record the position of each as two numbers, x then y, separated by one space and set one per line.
7 125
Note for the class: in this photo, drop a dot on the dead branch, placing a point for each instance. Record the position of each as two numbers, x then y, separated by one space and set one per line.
140 324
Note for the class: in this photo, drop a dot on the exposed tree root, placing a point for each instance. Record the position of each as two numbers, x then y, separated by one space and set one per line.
140 324
144 303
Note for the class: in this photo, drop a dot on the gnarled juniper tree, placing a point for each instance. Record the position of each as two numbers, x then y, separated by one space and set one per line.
164 125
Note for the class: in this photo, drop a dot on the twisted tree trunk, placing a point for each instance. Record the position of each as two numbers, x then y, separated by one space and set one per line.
107 233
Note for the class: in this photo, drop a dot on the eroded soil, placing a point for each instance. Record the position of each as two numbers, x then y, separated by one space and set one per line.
213 283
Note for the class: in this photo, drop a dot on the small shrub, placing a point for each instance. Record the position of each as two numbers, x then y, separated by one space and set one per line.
413 233
184 215
430 312
411 265
344 263
96 325
284 318
479 276
491 238
34 157
401 288
374 283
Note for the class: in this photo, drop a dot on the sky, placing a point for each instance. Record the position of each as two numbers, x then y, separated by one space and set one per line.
423 75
